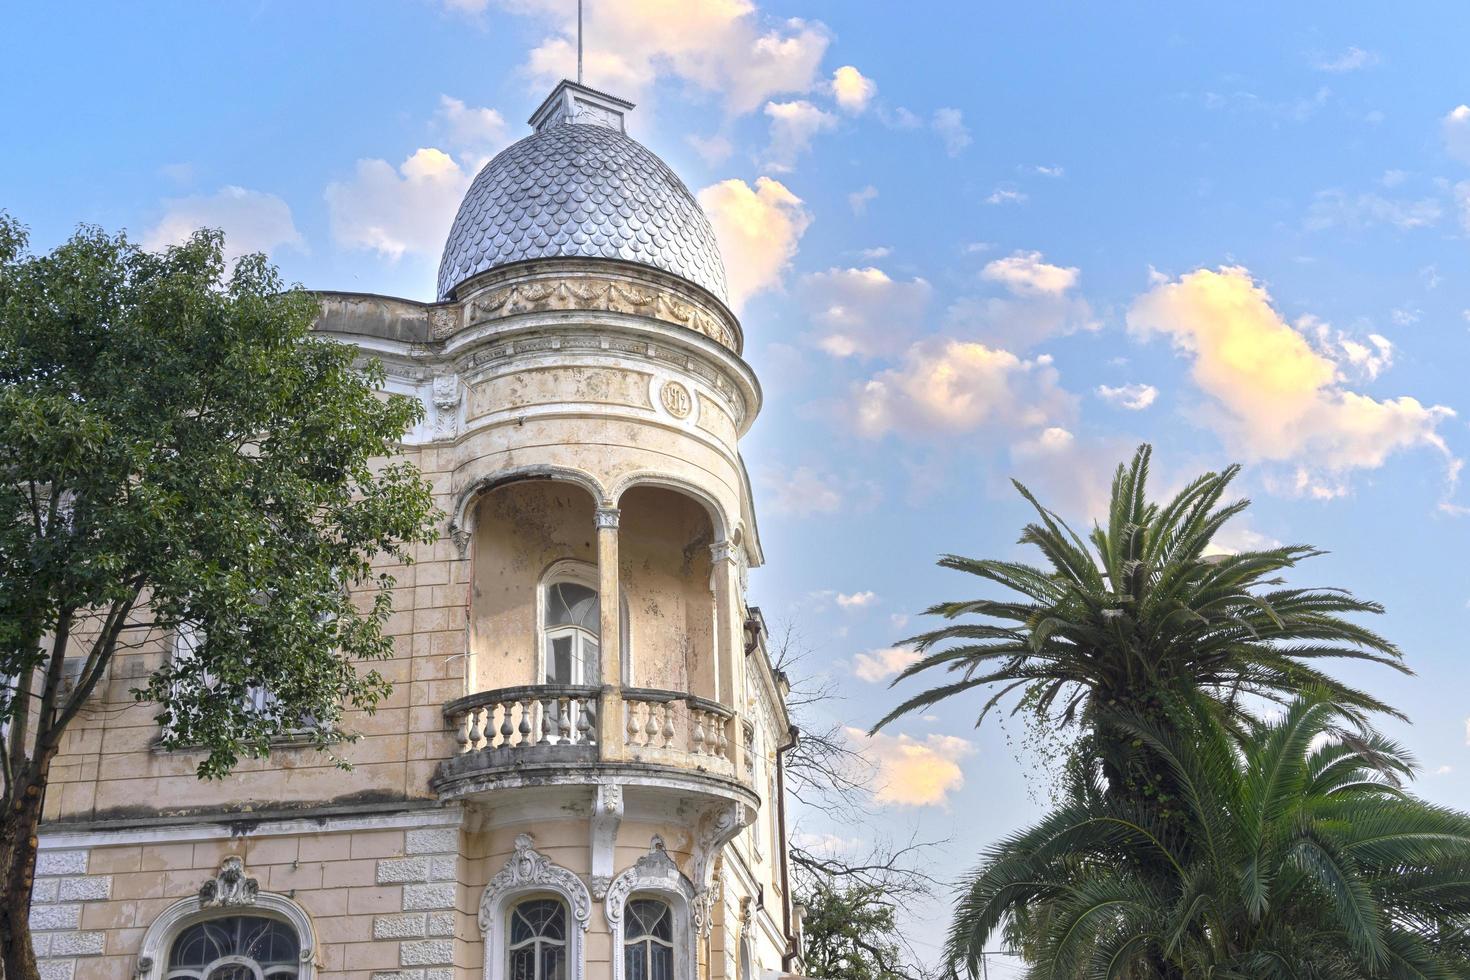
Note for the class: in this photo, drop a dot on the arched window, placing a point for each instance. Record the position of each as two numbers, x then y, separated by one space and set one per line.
538 940
648 940
745 970
236 947
571 624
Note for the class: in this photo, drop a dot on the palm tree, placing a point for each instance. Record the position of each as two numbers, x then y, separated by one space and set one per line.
1299 856
1146 616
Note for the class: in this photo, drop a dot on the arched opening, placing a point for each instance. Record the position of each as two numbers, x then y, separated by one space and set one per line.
665 566
537 947
648 940
534 551
234 947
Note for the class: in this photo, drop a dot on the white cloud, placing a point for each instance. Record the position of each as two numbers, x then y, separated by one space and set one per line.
852 90
758 229
793 126
1134 397
477 131
398 211
1236 537
1455 128
863 312
1274 396
1007 195
1333 209
713 150
1353 59
1027 274
859 200
876 252
720 46
1054 171
1073 476
911 771
1042 303
1462 200
807 490
950 125
947 386
856 600
253 221
879 665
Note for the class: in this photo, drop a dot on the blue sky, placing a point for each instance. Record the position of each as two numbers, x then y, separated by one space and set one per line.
970 241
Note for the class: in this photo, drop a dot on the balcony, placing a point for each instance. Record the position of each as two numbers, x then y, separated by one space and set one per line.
559 733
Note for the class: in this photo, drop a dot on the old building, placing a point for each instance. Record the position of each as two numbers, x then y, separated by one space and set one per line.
578 773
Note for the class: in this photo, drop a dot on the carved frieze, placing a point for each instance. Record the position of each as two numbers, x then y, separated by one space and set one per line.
595 294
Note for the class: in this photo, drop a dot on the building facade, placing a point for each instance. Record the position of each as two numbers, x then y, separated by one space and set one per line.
578 774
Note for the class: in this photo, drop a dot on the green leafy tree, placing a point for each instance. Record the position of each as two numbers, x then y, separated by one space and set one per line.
1300 856
179 456
849 934
1142 615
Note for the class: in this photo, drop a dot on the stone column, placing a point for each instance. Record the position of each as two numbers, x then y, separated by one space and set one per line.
610 643
730 644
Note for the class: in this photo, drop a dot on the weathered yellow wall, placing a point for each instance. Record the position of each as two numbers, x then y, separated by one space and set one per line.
663 545
520 531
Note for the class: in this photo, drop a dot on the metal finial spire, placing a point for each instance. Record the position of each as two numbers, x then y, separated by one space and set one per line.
579 42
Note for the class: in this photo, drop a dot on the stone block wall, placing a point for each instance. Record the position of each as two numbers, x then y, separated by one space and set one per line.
385 896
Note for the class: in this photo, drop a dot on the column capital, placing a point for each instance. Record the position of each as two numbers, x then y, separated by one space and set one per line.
725 551
607 517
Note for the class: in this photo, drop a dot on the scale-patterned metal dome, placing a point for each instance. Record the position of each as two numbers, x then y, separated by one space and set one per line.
580 190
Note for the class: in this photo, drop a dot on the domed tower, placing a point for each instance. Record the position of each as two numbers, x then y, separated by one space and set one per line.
616 733
578 773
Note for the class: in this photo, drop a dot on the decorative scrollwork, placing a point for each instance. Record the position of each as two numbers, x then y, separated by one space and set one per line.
528 867
229 887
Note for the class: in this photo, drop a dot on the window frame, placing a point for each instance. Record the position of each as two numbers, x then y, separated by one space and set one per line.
158 940
536 942
654 876
586 575
647 939
530 874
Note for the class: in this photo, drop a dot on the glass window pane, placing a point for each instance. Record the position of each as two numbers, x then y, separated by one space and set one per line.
256 947
570 604
660 962
523 963
588 665
553 963
560 662
635 962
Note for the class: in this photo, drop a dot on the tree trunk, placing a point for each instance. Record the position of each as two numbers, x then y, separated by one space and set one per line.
17 870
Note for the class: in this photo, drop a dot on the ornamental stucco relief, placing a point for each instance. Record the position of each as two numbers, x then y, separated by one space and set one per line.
595 294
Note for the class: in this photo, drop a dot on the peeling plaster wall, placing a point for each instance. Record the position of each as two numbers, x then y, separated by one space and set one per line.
663 546
520 531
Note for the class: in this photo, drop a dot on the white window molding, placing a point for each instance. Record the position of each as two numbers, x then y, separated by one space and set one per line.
229 893
584 574
655 875
531 874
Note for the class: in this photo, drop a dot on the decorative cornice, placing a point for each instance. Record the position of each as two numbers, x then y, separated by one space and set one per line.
593 293
733 383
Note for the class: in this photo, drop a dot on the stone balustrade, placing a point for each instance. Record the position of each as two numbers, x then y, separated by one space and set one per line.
520 718
670 728
554 723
